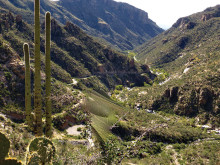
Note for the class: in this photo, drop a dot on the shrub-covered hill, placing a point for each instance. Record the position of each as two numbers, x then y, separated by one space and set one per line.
74 55
186 58
12 88
121 25
120 135
195 37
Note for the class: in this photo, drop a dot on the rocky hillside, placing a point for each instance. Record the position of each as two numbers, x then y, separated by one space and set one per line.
190 37
12 87
120 24
187 59
89 126
74 55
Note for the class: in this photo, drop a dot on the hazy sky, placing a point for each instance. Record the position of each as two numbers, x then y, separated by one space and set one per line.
166 12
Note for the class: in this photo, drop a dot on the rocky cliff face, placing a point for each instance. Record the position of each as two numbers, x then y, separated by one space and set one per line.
98 60
191 101
120 24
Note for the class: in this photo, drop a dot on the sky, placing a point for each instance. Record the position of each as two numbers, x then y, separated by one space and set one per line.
166 12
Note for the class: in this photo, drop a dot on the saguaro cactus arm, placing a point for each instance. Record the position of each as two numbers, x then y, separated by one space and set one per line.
48 76
27 86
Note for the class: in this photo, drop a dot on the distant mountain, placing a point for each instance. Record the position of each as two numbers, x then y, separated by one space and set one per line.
120 24
196 35
190 53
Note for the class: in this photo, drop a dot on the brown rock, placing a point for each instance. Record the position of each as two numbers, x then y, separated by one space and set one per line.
174 94
164 41
101 68
206 17
16 116
205 96
190 25
145 68
181 22
167 93
131 63
18 69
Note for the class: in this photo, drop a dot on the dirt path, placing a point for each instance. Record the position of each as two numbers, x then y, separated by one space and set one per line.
135 58
175 155
73 130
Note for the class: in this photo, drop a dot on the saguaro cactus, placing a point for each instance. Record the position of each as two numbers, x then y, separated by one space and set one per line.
37 77
27 86
48 76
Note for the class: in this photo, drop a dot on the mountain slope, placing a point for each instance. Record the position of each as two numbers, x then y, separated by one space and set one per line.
197 34
121 25
74 55
189 53
126 136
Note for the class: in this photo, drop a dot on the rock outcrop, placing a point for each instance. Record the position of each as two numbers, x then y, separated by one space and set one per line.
12 76
212 13
190 102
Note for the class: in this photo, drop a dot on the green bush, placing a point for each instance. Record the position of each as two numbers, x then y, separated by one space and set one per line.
8 76
119 87
179 146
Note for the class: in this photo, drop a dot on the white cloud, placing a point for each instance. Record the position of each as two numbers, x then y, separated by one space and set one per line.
166 12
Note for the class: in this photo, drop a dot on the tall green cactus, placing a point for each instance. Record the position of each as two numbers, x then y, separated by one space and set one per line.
48 76
27 86
37 77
